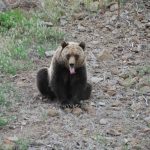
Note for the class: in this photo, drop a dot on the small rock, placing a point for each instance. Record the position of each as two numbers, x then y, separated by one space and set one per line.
105 55
115 71
96 79
114 7
147 25
124 75
63 22
53 113
93 104
136 106
81 28
89 109
49 53
113 132
141 47
109 27
95 42
103 121
47 24
145 130
126 141
85 131
101 104
77 111
148 35
23 123
74 35
111 91
68 110
116 104
78 16
147 120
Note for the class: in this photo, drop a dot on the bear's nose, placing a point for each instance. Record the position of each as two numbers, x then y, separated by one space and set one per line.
71 65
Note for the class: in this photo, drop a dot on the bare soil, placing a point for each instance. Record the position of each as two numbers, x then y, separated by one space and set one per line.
117 116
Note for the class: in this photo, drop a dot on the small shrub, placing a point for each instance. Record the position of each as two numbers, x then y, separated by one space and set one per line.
20 31
22 144
3 122
10 19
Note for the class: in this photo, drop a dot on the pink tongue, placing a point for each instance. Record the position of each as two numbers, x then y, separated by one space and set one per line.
72 70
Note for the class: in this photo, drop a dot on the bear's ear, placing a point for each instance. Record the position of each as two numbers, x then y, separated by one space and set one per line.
64 44
82 45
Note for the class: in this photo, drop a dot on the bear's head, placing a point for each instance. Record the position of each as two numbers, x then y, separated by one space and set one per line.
73 55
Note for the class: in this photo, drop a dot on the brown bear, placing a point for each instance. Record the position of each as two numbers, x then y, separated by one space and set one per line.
66 78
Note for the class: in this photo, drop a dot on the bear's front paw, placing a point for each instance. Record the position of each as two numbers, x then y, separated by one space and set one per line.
65 104
69 105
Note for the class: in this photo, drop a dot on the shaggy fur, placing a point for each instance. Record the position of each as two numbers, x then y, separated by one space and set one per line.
57 81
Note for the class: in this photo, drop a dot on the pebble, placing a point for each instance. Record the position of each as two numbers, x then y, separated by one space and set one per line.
81 28
147 120
101 104
96 79
105 55
103 121
77 111
53 113
113 7
49 53
47 24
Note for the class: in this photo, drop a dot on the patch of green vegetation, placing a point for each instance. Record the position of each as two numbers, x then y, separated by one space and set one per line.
8 96
7 92
101 139
125 147
10 19
3 121
21 33
22 144
142 70
53 10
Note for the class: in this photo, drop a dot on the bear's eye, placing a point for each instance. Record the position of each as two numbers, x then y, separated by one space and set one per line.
68 56
76 56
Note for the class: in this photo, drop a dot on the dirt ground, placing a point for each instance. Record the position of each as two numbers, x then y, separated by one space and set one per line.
117 116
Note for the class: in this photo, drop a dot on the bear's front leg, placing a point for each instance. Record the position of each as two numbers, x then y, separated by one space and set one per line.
76 92
78 85
60 92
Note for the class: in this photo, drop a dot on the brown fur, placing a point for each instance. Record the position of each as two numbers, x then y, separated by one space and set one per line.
66 78
71 48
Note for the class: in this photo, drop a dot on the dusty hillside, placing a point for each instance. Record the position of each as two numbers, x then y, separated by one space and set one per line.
117 116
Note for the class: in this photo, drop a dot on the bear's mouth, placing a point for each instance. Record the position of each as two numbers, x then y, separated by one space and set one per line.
72 70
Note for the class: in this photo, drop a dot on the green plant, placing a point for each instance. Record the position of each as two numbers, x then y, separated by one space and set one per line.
2 98
6 65
7 93
125 147
22 144
41 51
3 122
142 70
53 10
10 19
21 33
